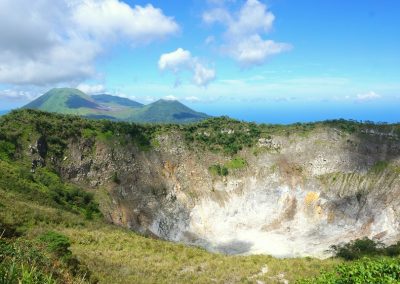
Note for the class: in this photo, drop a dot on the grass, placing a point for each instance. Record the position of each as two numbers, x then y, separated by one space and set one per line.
154 261
379 167
236 163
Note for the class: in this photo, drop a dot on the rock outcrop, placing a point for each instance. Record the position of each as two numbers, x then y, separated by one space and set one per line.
297 195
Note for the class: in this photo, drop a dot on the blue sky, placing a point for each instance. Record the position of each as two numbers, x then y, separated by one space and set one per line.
275 61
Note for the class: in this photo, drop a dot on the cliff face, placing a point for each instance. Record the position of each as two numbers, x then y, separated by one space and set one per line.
297 195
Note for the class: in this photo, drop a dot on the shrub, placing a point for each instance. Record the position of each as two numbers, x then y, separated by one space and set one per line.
364 247
7 150
56 243
236 163
218 170
382 270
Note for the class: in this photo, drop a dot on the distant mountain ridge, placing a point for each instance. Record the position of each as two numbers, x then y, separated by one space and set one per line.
109 99
104 106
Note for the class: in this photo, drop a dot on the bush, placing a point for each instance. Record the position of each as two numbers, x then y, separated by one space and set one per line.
7 150
364 247
218 170
56 243
382 270
236 163
22 262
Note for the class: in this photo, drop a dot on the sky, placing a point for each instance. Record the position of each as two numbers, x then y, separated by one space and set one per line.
277 61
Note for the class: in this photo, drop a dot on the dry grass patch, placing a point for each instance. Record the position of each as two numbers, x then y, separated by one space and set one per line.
116 255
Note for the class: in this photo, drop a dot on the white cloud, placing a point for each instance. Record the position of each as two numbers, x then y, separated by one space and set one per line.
253 18
170 98
50 42
370 96
91 89
181 60
175 61
110 18
244 30
253 50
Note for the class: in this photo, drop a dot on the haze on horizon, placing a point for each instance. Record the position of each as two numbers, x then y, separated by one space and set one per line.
274 61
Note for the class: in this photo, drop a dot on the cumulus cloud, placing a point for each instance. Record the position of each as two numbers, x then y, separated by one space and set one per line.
182 60
91 89
110 18
244 30
253 50
175 61
370 96
49 42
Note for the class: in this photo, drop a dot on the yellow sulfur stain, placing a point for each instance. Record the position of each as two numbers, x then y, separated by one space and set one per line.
311 197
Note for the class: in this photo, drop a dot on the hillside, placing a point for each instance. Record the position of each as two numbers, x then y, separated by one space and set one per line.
64 100
167 111
115 101
73 101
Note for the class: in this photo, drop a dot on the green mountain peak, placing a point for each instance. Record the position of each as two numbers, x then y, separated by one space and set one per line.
104 106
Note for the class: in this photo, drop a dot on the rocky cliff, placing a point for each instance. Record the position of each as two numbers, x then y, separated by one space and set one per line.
228 186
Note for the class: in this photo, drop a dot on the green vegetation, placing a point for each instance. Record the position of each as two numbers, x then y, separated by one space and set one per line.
236 163
218 170
166 111
364 247
7 150
223 170
368 261
46 259
21 263
56 243
379 167
366 270
222 134
47 187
